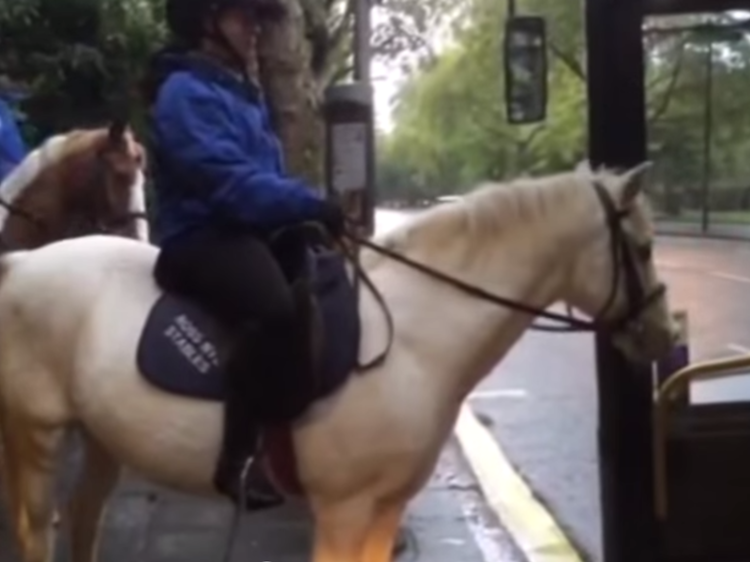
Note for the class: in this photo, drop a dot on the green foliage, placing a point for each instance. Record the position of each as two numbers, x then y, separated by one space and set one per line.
78 59
451 129
451 126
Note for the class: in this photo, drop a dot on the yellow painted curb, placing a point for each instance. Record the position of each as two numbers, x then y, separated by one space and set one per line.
532 527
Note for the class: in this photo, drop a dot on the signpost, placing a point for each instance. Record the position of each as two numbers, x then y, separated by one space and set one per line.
350 132
350 152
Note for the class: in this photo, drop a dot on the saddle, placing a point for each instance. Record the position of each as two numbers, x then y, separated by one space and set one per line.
183 350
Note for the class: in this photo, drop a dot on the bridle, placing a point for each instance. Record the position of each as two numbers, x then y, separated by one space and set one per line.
625 255
90 222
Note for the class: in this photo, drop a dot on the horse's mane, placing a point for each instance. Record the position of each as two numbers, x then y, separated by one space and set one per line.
492 209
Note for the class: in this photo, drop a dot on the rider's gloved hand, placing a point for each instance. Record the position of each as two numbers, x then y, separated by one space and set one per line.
333 218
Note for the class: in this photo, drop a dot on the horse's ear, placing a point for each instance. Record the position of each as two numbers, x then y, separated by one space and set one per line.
117 130
634 181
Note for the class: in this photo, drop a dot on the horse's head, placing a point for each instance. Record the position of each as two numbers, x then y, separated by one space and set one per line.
82 182
614 278
117 201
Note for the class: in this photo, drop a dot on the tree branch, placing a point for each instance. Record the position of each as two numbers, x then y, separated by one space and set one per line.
667 97
337 49
569 60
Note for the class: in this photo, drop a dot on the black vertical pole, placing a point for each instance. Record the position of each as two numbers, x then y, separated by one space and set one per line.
707 130
617 137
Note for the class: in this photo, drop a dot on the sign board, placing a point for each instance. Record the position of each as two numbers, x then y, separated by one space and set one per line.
350 152
525 58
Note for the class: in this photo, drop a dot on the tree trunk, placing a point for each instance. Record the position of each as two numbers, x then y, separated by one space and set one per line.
284 71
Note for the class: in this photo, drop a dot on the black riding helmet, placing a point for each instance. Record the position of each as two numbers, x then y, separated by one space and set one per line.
186 18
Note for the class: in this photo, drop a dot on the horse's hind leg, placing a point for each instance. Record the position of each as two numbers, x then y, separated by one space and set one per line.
31 455
356 531
87 505
340 530
381 535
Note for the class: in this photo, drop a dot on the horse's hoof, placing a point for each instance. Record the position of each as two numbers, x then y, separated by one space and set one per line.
402 542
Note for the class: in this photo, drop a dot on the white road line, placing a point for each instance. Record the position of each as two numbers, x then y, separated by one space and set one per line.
498 393
730 276
738 348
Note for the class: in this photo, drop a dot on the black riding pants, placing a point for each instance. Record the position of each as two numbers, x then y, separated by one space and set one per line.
246 283
235 276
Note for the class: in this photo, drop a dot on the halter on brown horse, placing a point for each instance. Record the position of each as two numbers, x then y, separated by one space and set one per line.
83 182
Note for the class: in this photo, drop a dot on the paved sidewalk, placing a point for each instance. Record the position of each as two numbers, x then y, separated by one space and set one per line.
447 523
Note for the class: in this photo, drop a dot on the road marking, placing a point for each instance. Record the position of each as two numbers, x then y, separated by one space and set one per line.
738 348
494 393
532 527
730 276
668 264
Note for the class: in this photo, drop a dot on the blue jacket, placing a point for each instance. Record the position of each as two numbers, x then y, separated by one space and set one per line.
12 147
217 160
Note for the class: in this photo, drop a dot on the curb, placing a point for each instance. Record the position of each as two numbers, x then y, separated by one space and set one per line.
528 522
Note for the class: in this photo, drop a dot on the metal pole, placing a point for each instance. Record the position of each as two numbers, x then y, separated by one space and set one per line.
707 133
362 36
617 138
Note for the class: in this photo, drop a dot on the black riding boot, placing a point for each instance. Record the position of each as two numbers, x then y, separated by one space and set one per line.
239 445
268 382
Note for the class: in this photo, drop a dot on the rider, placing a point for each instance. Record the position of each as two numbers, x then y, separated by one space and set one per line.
12 147
221 192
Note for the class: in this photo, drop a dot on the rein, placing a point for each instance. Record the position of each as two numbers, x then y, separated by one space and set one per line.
623 263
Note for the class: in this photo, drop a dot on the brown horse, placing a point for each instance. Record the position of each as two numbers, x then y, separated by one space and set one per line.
86 181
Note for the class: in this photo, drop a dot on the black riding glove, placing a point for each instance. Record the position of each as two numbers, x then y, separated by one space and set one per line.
333 218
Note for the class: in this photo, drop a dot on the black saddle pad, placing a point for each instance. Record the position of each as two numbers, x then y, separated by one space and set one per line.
183 349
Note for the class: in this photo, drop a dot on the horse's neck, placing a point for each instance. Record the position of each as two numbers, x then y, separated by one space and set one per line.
457 338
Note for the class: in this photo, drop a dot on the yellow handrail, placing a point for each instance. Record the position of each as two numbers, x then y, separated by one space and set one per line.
674 385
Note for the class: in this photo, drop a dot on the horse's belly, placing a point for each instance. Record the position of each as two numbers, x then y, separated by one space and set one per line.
165 438
169 439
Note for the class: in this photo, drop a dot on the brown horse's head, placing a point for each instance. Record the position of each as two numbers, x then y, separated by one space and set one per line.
83 182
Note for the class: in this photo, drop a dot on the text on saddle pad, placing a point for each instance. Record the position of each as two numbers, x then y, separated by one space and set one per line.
192 344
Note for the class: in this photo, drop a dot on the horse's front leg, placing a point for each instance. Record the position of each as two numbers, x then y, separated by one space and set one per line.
32 452
356 530
86 509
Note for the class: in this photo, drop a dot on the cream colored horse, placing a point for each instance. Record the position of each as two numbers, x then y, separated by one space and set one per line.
71 314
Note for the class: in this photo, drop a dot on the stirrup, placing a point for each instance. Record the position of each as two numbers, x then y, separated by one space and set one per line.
255 491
